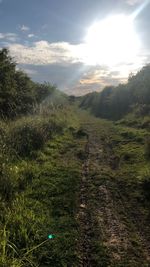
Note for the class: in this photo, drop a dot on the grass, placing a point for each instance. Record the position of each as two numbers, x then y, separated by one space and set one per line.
127 186
41 164
38 191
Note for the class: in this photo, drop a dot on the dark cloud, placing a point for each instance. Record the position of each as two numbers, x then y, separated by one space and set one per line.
72 78
64 76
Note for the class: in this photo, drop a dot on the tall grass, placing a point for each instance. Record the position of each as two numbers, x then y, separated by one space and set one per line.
37 194
31 133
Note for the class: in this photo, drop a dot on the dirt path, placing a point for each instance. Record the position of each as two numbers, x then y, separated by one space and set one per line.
84 217
103 215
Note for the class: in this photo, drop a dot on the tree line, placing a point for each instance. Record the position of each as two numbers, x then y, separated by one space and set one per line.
18 93
115 102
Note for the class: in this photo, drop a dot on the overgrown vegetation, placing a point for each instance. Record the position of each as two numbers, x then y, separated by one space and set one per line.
115 102
47 148
39 176
19 95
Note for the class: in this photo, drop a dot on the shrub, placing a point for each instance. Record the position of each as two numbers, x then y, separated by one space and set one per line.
30 134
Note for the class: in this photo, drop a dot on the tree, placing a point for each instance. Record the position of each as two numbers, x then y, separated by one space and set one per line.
7 83
18 93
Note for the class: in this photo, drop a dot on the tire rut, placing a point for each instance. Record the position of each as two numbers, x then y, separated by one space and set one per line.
84 216
109 214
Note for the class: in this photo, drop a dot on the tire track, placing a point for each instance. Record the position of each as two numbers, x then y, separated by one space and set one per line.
84 215
104 211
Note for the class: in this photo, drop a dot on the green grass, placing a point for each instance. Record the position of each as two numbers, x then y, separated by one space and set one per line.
38 191
127 185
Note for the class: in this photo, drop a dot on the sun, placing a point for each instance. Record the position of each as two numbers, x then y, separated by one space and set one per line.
111 41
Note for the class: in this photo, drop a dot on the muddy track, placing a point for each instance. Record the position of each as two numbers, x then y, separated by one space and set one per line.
105 211
84 216
88 216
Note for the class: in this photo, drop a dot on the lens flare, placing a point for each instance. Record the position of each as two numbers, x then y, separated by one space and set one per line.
50 236
111 41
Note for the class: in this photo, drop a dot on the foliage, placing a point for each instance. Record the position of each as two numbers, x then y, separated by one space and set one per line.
43 158
43 202
18 93
115 102
30 133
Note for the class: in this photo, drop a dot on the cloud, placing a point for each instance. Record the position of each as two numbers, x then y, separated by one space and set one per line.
31 35
63 64
24 28
29 71
89 79
95 79
12 37
133 2
43 53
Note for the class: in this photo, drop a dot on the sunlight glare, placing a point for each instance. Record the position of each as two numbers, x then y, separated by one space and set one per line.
111 41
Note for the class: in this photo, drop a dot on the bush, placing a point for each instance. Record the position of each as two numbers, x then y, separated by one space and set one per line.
30 134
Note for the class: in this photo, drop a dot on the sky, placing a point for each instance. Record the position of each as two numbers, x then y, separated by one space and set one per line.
81 46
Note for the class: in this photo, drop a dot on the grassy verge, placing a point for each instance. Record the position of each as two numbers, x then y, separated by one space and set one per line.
38 192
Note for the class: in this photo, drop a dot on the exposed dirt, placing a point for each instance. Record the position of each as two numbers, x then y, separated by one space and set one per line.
104 210
84 217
